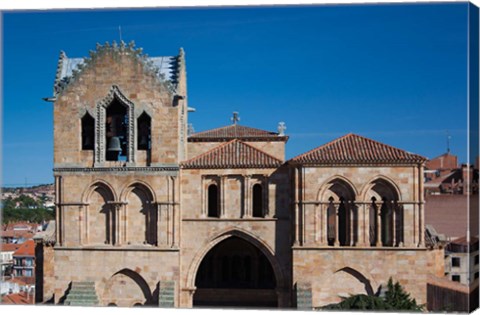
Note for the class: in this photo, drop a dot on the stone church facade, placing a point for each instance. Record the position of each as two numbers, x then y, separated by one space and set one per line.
148 214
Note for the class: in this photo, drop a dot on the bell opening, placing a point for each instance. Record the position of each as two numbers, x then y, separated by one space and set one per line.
116 132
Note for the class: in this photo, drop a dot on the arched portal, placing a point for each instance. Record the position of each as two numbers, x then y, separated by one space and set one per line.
235 273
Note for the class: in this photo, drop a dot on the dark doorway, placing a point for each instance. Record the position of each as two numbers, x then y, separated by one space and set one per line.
235 273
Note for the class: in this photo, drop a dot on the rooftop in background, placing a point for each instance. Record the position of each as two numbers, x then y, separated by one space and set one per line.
22 298
353 148
236 131
26 249
9 247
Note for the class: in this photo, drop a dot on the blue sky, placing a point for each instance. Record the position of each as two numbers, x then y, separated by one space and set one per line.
393 73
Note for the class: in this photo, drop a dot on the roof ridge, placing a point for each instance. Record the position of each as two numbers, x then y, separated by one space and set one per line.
356 147
235 144
231 126
321 146
386 145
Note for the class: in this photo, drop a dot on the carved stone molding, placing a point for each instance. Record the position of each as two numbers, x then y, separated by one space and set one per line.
100 145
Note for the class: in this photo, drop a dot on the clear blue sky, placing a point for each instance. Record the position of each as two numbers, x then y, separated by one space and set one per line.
394 73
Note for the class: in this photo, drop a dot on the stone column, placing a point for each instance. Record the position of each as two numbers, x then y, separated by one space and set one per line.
80 224
118 233
125 223
296 207
324 225
394 223
265 192
364 227
337 227
159 228
223 179
248 202
379 224
351 209
174 213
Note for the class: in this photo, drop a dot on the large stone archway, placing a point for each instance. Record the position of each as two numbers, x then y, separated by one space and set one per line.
235 273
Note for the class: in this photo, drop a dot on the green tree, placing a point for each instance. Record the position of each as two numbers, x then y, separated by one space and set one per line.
399 299
395 299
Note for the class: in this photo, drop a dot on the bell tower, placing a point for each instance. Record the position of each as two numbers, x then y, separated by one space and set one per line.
120 121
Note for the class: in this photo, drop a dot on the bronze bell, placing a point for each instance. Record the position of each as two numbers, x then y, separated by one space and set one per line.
114 144
143 142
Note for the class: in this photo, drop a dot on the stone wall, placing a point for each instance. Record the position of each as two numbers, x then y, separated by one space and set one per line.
340 272
122 277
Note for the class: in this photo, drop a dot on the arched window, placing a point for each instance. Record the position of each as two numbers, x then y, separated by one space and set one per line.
144 132
88 132
386 218
116 132
213 208
257 201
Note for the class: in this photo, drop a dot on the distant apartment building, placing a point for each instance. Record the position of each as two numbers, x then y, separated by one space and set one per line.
6 258
461 261
443 175
24 262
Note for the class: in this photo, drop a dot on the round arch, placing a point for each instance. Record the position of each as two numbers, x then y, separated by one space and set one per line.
99 183
137 184
139 281
242 234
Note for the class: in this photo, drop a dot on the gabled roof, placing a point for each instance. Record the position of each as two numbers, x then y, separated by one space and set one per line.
236 131
27 249
355 149
233 154
166 68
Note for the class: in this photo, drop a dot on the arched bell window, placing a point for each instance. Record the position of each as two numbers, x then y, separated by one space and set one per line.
88 132
213 204
144 123
116 132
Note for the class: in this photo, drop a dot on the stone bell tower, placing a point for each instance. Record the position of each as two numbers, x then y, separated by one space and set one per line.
120 128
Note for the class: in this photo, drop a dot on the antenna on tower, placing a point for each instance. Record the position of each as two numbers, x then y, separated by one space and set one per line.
448 142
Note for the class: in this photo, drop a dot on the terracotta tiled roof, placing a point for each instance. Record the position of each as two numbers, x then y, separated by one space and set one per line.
233 154
9 247
236 131
26 249
16 234
21 298
355 149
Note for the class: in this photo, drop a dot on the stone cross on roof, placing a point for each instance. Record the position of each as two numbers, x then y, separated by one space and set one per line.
235 118
281 128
